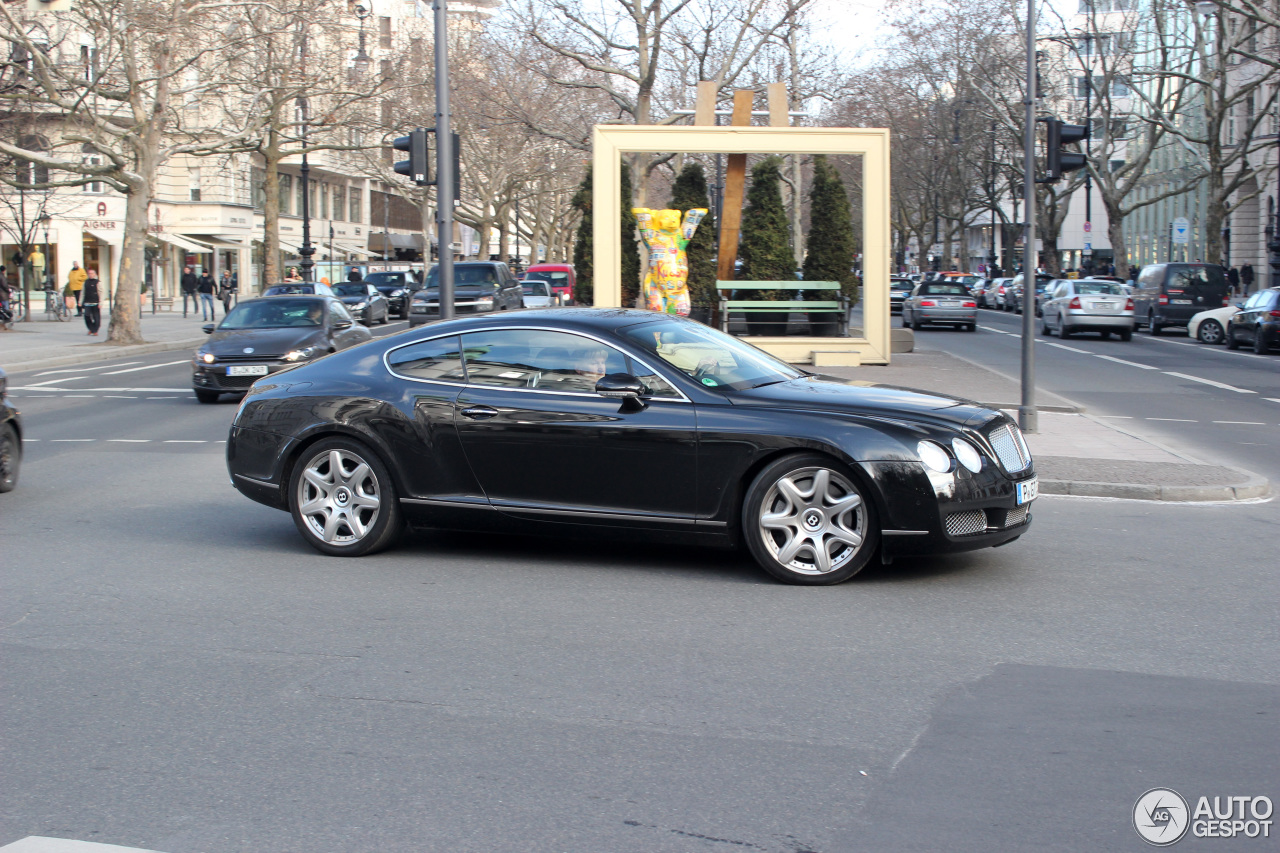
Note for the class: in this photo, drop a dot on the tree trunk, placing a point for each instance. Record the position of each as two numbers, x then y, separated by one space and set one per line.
1115 234
126 321
271 217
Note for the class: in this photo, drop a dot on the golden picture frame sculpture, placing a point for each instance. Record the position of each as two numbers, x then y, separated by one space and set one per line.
610 142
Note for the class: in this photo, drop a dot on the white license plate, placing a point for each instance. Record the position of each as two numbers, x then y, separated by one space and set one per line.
1180 301
247 370
948 303
1028 490
1105 306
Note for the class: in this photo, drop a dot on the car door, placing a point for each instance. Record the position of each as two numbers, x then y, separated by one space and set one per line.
545 446
1246 322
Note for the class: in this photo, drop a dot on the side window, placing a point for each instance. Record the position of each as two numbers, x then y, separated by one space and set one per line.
532 358
1255 300
655 385
439 360
339 312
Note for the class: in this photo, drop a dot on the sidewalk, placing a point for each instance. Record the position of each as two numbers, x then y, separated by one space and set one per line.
1075 453
42 343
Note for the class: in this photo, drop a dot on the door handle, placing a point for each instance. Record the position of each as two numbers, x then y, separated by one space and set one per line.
479 413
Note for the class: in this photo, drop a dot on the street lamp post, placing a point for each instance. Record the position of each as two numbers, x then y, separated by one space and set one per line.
307 249
1273 228
43 220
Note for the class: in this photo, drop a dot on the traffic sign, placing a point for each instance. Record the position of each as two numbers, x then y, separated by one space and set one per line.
1088 247
1088 226
1181 230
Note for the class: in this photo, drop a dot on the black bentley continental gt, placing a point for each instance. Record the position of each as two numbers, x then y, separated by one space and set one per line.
625 423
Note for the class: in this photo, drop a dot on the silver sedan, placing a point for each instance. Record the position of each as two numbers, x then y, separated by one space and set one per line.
1088 305
942 303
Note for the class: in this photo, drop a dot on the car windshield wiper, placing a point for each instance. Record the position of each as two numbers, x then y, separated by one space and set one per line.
770 382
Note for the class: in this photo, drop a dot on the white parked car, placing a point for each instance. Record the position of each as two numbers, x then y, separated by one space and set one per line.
537 294
1209 327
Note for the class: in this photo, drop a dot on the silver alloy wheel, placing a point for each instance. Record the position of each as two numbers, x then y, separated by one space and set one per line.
814 513
1210 332
338 497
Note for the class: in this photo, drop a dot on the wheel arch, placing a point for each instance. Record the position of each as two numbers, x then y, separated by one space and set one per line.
327 431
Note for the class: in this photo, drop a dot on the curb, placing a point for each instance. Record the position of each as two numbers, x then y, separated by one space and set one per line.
106 354
1253 488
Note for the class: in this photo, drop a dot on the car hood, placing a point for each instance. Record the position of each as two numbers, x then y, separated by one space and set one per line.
264 342
353 300
470 291
849 396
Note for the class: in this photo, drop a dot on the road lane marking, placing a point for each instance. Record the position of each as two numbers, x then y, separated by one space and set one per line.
117 397
1117 417
1215 384
86 369
88 396
186 441
74 390
1122 361
147 367
72 439
51 381
1173 420
1242 423
130 440
1272 399
1065 347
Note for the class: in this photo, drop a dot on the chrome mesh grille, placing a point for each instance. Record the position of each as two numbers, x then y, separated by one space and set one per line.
966 523
1010 448
1016 516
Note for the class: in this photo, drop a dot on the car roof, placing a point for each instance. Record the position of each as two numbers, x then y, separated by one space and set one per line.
569 319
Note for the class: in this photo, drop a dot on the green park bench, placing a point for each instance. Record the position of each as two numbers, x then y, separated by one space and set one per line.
837 308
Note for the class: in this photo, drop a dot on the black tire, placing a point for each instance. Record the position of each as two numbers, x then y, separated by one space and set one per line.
906 324
1232 341
1259 342
971 327
404 313
1063 331
792 520
1126 335
1044 326
382 523
1153 327
1106 336
386 316
204 395
10 457
1210 332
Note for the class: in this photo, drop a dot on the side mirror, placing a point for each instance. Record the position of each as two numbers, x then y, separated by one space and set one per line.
342 324
208 328
622 385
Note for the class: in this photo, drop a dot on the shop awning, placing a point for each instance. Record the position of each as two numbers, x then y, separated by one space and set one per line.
289 244
229 242
381 242
181 242
350 250
112 237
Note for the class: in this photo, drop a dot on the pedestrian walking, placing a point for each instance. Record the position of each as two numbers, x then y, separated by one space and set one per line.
1246 276
206 286
92 298
225 291
1233 279
1133 272
353 274
75 284
189 285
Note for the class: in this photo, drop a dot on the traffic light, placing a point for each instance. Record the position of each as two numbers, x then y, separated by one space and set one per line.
1057 161
416 167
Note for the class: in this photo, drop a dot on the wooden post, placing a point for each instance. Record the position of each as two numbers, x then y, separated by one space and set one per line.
779 112
704 107
734 184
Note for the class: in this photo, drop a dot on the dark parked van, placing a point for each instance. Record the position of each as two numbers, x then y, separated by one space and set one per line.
1170 294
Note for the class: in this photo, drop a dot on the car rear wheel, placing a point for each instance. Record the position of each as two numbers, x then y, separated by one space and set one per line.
1153 326
206 396
1210 332
1126 335
906 324
1063 331
1232 341
1044 326
10 457
1259 342
342 499
807 521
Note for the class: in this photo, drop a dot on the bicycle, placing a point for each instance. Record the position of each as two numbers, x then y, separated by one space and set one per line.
56 304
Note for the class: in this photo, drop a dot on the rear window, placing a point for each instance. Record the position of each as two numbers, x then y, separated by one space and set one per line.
1201 284
943 290
1096 288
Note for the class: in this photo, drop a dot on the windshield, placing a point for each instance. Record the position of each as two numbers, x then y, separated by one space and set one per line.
553 276
712 358
535 288
467 276
285 289
274 314
943 290
356 289
385 279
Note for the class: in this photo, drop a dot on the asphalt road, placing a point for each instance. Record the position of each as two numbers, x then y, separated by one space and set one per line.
1206 399
182 673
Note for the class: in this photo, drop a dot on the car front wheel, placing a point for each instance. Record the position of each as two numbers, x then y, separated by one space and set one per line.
807 521
10 457
342 499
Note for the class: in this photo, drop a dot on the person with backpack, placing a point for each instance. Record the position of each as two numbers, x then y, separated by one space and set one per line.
91 304
75 284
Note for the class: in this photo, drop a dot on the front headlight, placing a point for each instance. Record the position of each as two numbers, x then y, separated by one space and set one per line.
967 454
934 456
397 293
359 306
207 357
302 354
